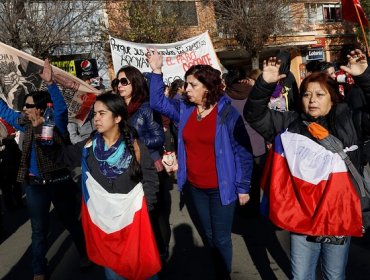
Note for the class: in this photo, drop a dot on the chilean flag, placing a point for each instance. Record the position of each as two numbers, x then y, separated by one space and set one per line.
309 188
117 230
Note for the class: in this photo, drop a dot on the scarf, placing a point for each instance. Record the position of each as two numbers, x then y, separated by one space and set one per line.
132 108
113 161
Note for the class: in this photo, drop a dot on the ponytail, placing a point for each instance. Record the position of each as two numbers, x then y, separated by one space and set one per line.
129 136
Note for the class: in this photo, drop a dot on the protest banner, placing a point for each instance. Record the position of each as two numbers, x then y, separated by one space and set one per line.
178 57
19 75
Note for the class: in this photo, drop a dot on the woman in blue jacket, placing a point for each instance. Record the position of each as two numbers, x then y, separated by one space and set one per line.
214 155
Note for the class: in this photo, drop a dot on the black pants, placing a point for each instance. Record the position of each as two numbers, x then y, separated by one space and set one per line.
160 216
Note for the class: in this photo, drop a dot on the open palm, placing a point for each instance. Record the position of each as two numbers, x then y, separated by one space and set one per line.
357 63
270 71
155 60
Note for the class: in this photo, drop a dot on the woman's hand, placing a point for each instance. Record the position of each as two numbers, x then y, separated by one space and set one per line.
36 117
271 70
357 63
243 198
155 61
47 73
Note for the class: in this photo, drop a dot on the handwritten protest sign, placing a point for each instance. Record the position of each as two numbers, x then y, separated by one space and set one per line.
178 57
19 75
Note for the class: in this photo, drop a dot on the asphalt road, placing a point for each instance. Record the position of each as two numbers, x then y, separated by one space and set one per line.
261 251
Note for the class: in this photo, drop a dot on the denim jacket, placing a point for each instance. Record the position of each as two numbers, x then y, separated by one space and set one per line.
234 162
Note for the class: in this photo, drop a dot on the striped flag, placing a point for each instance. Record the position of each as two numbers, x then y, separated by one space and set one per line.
310 190
117 230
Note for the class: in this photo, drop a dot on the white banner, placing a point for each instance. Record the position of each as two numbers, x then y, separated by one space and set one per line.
178 57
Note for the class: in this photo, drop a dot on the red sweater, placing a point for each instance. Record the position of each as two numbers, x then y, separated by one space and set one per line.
199 140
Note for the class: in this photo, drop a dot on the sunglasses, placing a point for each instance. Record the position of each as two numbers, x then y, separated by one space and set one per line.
123 81
29 106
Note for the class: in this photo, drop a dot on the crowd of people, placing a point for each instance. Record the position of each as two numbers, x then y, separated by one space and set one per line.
306 147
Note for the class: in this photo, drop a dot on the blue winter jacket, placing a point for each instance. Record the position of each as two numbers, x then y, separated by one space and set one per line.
149 128
234 162
60 118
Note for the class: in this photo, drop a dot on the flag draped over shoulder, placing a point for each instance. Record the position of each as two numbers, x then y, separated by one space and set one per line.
117 229
19 75
349 12
310 190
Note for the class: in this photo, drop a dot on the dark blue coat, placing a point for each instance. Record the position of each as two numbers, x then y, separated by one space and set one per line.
149 128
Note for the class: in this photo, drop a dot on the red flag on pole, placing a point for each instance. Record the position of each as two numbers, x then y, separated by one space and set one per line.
349 12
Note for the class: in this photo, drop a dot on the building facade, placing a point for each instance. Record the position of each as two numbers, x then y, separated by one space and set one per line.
316 32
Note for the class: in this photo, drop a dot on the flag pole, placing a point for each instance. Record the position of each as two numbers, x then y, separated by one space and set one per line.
362 28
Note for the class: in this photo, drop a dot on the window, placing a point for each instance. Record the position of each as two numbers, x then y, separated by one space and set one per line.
332 13
314 13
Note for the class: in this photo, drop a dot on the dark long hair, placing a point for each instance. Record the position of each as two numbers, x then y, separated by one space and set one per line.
140 90
40 98
174 87
211 79
116 105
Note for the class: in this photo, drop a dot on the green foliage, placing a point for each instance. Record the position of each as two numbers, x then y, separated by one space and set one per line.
148 21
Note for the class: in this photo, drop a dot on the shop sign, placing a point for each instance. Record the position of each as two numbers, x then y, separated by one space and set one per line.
315 54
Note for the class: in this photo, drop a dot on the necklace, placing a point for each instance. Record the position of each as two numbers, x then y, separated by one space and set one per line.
199 114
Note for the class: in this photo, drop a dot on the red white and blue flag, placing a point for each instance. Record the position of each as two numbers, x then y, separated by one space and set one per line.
117 230
310 190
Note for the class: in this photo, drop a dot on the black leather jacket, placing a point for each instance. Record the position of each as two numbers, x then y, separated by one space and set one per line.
340 121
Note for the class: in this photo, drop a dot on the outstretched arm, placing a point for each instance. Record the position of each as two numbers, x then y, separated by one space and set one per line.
265 121
158 100
60 107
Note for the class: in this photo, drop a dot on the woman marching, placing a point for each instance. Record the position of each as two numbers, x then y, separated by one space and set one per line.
310 190
45 180
117 173
131 85
214 163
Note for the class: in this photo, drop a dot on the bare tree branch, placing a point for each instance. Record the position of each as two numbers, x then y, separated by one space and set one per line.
39 27
252 22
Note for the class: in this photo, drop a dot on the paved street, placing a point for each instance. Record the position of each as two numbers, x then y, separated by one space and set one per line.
260 251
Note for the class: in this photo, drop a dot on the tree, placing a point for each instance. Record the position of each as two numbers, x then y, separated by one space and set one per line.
145 21
41 27
252 22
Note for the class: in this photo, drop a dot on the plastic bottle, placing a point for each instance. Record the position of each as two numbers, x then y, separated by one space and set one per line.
48 126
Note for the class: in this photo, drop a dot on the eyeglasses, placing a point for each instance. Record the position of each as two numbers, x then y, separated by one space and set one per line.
29 106
123 81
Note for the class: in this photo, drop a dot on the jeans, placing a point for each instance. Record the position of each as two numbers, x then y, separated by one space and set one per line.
111 275
63 197
305 256
216 222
